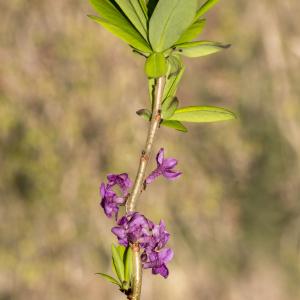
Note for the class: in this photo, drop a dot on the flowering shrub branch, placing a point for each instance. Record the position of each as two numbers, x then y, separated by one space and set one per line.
162 32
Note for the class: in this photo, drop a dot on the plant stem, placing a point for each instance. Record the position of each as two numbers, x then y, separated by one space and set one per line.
139 182
145 156
137 273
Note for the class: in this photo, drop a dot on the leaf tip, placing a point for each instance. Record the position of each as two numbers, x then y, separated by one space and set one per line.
226 46
235 116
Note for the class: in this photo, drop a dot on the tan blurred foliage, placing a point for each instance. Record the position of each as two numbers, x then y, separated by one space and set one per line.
68 95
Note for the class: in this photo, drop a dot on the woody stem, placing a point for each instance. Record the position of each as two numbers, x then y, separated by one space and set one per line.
139 181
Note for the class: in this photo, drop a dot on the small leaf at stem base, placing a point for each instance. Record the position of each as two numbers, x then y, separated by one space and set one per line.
110 278
175 125
118 264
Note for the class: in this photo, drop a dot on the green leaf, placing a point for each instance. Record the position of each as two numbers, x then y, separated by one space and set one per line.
201 48
169 20
141 8
174 124
144 113
107 10
124 254
202 114
135 14
175 65
128 265
118 264
192 32
112 19
110 279
172 84
205 8
121 251
126 33
144 7
169 107
156 65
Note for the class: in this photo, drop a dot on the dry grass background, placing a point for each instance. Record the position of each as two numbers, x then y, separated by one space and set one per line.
68 93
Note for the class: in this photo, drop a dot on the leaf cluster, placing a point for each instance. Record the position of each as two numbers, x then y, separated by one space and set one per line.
163 31
157 29
122 268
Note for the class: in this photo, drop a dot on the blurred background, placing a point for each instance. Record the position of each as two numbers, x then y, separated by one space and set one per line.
68 95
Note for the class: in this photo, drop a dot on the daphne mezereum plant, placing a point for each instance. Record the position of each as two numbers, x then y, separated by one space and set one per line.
161 31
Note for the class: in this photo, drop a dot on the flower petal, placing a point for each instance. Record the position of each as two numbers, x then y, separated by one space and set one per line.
163 271
138 220
166 255
169 163
122 221
102 190
171 175
160 156
119 232
111 177
119 200
108 209
156 173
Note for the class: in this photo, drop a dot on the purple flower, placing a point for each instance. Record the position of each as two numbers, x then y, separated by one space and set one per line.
164 167
136 228
157 261
158 237
132 228
122 180
110 200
